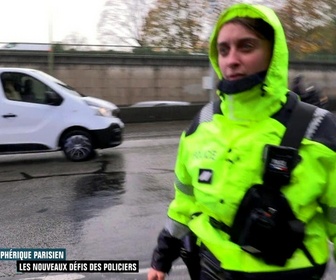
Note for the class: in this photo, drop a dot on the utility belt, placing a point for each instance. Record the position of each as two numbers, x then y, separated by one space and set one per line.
211 270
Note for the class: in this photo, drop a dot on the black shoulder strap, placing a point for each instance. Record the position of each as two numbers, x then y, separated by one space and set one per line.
296 129
298 124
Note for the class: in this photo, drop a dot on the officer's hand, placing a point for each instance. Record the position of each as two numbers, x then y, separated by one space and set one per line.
155 274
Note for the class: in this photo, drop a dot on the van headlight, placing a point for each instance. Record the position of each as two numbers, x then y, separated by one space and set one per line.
105 112
101 111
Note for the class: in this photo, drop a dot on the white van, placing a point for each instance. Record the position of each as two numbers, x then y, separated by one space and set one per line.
40 113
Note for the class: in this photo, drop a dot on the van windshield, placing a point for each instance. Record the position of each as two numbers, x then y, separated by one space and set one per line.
62 84
70 89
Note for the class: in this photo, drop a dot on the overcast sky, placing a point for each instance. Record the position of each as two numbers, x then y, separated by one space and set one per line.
29 20
42 21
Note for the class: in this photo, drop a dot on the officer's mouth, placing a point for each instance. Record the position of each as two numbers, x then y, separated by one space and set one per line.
234 77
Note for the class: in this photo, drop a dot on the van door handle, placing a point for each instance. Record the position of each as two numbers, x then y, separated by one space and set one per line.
9 116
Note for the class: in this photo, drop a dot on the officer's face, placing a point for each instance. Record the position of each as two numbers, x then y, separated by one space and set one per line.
241 53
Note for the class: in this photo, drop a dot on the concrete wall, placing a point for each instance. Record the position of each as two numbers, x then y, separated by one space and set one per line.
126 79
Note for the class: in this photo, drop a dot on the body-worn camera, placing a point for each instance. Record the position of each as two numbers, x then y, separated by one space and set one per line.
279 161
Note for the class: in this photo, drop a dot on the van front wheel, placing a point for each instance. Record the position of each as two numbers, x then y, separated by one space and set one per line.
77 145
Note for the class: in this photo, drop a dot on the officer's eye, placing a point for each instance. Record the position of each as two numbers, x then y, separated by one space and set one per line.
223 49
247 45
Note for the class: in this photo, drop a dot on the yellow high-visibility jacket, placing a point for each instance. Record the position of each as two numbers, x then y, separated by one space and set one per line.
220 157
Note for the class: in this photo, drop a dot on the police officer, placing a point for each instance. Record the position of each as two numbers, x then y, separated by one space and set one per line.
311 94
220 156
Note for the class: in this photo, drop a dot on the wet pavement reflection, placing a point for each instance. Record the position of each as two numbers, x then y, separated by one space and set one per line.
101 185
97 191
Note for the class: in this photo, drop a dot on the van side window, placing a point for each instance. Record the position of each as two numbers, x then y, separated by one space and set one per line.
9 88
35 91
25 88
28 94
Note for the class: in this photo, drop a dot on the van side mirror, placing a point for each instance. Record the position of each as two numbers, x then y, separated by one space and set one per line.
52 98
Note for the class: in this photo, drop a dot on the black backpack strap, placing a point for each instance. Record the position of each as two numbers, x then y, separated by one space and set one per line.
296 129
298 124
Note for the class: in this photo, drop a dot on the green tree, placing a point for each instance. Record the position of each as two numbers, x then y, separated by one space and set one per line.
305 23
174 24
183 24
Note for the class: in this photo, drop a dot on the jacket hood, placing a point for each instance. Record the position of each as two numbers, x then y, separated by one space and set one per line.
263 99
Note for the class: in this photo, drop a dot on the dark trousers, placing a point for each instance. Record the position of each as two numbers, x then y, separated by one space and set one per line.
190 254
194 266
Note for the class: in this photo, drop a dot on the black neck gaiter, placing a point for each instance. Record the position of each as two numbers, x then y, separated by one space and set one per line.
232 87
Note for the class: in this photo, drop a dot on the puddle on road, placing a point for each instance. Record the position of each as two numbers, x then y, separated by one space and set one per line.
96 192
109 184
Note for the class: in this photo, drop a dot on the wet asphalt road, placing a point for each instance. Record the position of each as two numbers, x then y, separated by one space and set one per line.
110 208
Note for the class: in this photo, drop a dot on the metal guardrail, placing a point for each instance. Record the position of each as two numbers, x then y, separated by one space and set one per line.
160 113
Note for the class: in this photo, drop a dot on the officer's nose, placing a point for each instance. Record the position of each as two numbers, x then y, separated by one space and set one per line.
232 59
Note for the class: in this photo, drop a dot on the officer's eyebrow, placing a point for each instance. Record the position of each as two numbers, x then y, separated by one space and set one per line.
239 41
